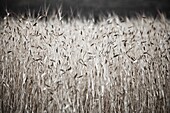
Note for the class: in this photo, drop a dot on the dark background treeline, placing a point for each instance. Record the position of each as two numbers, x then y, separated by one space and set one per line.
86 7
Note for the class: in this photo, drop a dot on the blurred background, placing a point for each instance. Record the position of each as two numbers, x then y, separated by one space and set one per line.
85 7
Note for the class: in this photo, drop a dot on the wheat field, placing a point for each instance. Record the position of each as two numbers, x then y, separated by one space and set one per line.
77 66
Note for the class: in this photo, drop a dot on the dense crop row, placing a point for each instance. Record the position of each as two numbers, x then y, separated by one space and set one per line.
56 66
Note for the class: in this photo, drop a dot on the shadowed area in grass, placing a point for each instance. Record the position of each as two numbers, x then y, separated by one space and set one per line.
85 8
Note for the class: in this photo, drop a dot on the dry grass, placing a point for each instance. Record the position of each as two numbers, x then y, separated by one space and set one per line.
112 66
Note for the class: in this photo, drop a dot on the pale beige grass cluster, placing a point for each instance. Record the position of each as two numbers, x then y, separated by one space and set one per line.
58 67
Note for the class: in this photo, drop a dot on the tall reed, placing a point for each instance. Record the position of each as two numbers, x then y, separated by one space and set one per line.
56 66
